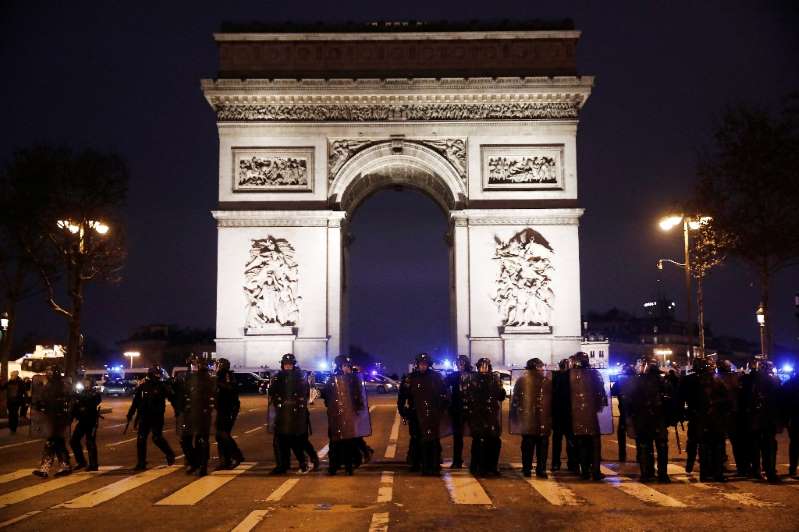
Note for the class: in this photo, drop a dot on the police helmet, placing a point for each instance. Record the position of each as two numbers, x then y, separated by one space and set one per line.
288 358
341 361
467 364
222 364
534 363
484 362
424 357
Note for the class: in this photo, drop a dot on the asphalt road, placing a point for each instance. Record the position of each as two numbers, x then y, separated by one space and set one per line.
381 495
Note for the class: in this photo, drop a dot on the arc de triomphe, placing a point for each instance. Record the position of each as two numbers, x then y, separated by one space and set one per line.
483 120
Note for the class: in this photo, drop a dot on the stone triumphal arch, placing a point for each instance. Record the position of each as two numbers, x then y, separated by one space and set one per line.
312 121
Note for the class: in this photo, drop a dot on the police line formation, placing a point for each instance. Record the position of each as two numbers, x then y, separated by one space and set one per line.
717 403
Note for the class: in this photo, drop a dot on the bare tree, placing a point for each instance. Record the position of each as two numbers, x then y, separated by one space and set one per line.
77 229
749 186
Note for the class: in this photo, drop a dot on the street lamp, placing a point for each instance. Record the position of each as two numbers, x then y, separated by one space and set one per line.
132 355
4 321
79 228
689 223
760 315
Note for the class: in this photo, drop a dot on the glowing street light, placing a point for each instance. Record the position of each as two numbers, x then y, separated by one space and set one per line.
4 321
132 355
760 315
78 228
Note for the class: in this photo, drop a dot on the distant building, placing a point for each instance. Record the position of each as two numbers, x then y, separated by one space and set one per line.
657 332
168 345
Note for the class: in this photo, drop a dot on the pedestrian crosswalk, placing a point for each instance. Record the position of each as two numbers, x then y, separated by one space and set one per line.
463 490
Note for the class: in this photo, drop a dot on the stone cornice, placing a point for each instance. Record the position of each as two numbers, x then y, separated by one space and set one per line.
516 217
398 36
278 218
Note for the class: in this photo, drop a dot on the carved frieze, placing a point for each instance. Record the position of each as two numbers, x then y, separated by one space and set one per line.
270 284
523 167
524 296
342 150
272 169
383 112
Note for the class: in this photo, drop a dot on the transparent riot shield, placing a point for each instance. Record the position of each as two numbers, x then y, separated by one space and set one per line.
38 427
606 414
347 408
427 395
530 411
287 405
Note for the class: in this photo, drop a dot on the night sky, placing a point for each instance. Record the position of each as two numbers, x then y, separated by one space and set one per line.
126 77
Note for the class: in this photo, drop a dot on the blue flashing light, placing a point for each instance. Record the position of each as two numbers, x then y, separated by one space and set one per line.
614 371
447 364
787 368
374 372
323 365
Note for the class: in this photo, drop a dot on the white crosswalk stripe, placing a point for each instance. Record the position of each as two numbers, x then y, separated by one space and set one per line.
554 492
743 498
41 488
203 487
28 442
385 492
251 521
19 518
282 490
106 493
15 475
463 488
391 449
379 522
642 492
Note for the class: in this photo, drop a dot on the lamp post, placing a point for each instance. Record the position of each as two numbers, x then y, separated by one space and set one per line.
760 315
689 223
132 355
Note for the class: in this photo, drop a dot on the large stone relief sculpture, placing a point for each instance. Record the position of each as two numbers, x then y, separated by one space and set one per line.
271 284
342 150
524 295
522 167
272 169
388 112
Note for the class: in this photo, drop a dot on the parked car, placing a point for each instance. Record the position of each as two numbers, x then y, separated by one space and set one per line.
119 387
250 382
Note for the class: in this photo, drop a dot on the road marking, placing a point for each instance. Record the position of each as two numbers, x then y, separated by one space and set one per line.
379 522
555 493
30 492
115 426
465 489
253 409
259 427
17 519
199 489
391 449
742 498
323 451
106 493
385 492
630 445
251 521
372 408
10 445
640 491
281 490
16 475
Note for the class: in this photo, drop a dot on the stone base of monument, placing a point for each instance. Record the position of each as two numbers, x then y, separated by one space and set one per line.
270 330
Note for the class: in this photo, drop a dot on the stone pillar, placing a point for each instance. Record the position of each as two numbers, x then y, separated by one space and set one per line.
335 275
460 274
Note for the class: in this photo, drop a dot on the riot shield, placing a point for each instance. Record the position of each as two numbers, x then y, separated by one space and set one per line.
287 404
627 394
531 402
589 403
347 408
428 396
199 403
484 409
606 414
38 427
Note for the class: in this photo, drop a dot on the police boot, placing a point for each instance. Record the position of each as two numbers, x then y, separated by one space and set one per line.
64 467
47 462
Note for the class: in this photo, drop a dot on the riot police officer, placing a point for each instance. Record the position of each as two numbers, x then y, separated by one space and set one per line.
484 396
198 403
790 400
760 394
455 383
531 415
347 415
227 410
50 417
587 399
86 410
430 398
288 414
15 399
407 411
733 427
651 411
149 404
561 418
618 391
